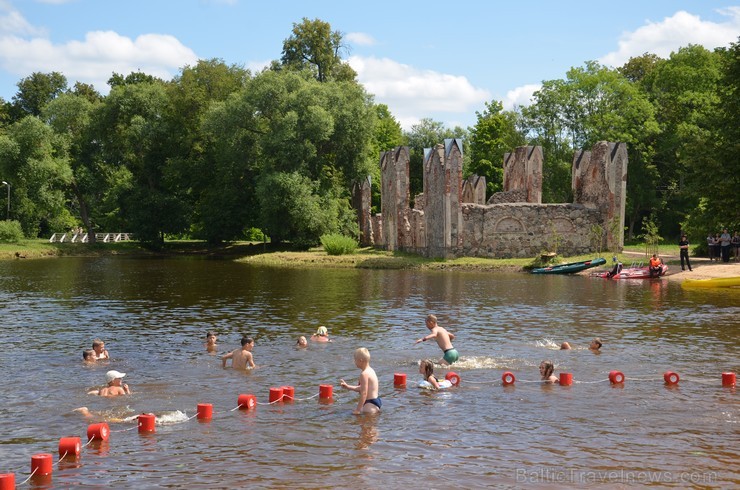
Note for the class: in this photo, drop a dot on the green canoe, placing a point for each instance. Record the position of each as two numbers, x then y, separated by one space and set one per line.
570 268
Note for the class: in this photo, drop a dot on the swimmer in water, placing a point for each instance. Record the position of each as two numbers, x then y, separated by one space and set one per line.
321 335
565 346
301 343
100 351
546 372
595 346
89 357
241 358
444 340
426 369
369 401
115 386
210 344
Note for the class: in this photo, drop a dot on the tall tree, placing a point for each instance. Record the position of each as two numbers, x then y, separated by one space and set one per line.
315 47
494 134
37 90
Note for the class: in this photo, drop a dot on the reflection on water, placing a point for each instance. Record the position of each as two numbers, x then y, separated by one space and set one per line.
154 314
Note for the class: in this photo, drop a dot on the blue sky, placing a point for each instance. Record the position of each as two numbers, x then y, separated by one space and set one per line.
438 59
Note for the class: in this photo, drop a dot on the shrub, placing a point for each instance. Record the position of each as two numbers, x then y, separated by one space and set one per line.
335 244
10 231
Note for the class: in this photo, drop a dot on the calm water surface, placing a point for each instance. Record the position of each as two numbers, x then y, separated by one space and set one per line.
153 315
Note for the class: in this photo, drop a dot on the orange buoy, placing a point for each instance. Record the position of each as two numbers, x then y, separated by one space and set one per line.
326 392
246 402
276 395
98 432
42 464
671 378
566 379
508 378
288 393
7 481
616 377
69 447
205 411
146 422
399 380
453 378
728 379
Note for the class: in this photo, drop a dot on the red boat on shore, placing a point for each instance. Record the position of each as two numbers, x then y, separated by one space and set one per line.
632 273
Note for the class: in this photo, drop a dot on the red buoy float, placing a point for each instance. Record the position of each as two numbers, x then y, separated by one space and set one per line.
453 378
728 379
399 380
205 411
671 378
566 379
69 447
276 395
146 422
616 377
246 402
288 393
41 464
7 481
508 378
98 432
326 392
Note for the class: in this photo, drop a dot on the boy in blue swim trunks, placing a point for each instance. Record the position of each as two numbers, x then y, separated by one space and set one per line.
444 340
369 401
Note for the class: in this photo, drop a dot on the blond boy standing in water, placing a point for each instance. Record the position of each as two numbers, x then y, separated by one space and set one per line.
444 340
241 358
100 351
369 401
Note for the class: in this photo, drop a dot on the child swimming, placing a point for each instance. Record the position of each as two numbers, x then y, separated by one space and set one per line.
546 371
321 335
430 381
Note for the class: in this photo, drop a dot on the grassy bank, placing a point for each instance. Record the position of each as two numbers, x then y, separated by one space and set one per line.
272 256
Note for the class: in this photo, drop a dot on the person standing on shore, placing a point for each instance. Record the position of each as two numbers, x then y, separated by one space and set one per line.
683 247
724 241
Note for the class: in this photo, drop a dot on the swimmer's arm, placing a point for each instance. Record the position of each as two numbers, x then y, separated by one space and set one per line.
452 335
362 390
250 361
433 382
93 392
126 389
427 337
225 357
344 385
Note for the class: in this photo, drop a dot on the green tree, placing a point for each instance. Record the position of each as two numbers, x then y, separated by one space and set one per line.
35 91
36 161
494 134
428 133
315 47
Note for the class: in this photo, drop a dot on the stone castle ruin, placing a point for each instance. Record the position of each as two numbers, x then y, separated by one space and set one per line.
450 218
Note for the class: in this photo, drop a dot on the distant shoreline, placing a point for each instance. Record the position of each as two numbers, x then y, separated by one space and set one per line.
366 258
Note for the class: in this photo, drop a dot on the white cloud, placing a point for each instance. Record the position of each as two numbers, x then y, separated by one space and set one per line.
12 22
97 57
411 93
360 38
520 96
683 28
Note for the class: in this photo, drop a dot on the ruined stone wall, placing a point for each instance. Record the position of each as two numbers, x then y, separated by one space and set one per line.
513 223
474 189
394 195
525 230
361 202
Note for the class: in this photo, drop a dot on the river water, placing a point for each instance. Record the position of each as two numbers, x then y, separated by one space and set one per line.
153 315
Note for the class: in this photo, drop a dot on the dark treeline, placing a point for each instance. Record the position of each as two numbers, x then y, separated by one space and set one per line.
220 153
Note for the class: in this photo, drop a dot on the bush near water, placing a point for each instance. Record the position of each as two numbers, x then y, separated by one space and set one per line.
10 232
336 244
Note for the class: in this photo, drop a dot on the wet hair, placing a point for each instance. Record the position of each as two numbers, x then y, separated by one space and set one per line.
564 346
97 343
87 354
363 354
597 342
247 340
211 334
432 318
428 367
549 368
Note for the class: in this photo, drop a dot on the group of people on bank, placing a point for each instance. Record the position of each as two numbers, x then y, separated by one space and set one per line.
722 245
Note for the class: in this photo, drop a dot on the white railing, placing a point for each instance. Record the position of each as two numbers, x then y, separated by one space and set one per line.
83 238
